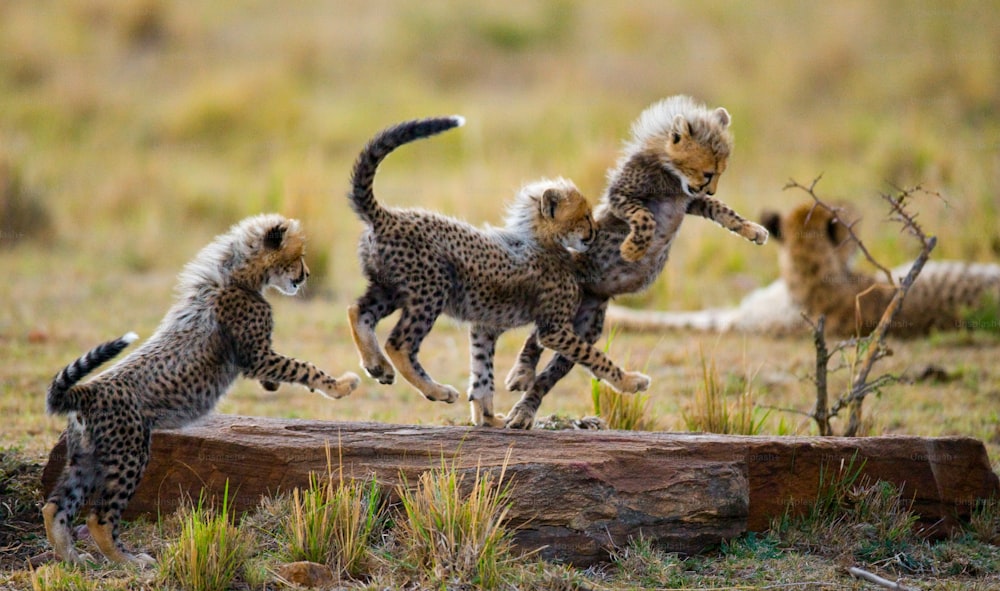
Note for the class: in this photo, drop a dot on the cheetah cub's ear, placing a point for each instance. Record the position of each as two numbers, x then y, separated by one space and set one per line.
837 231
722 117
681 129
549 203
274 237
771 220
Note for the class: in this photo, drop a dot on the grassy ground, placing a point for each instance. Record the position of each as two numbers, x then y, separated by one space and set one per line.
131 133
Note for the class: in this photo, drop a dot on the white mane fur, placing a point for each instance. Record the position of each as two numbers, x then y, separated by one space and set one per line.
215 263
212 267
660 119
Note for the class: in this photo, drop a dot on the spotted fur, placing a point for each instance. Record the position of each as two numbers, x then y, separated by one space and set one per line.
816 252
495 278
668 169
219 329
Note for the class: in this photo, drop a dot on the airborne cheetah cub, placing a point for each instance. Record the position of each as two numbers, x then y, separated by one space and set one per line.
693 151
496 278
219 329
668 170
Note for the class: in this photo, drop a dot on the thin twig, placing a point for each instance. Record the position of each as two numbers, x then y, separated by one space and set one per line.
793 411
821 414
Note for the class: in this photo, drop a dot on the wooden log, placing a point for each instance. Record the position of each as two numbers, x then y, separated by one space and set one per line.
576 493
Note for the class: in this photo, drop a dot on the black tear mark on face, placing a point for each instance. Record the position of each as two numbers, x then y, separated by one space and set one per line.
274 237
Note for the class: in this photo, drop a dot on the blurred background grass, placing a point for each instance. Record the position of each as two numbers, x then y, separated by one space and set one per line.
133 132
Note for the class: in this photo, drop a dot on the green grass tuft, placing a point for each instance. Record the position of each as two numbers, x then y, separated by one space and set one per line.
210 552
626 412
335 521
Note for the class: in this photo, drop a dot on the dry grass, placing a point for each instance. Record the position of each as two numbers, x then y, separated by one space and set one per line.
727 408
453 528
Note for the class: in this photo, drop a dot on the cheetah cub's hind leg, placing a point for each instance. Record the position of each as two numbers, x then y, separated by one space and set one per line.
522 375
415 322
366 342
60 535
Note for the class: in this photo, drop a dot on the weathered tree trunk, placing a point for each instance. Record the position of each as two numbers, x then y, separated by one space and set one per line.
576 492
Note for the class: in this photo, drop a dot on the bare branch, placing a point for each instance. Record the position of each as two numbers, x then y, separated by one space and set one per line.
820 414
793 411
876 346
871 348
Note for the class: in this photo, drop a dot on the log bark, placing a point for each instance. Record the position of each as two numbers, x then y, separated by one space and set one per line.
576 493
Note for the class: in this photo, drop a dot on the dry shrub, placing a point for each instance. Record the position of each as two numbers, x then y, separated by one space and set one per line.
23 216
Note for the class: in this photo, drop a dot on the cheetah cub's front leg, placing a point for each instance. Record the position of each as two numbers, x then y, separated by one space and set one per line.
275 367
720 213
642 226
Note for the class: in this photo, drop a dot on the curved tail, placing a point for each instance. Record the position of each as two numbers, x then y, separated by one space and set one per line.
362 176
59 399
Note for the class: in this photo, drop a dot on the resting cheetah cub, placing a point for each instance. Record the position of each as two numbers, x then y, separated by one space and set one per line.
219 329
496 278
816 255
669 169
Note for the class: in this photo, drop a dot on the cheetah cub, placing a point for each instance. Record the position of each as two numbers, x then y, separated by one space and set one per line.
495 278
219 329
694 152
667 171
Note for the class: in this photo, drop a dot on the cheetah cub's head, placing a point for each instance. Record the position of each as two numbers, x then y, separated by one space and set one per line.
273 252
690 140
284 246
814 233
556 214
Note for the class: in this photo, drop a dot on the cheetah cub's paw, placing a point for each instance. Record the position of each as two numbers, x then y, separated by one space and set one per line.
520 378
519 417
633 382
482 411
630 251
441 393
381 371
334 388
754 233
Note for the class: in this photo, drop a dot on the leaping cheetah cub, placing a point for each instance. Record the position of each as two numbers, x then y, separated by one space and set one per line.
495 278
669 169
219 329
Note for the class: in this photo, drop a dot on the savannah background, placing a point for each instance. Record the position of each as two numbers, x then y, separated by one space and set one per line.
131 133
